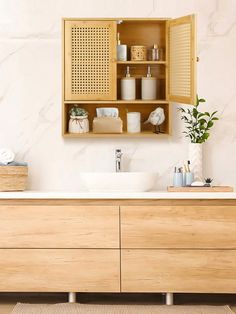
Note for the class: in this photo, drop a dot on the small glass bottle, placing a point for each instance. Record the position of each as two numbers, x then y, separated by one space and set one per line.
155 54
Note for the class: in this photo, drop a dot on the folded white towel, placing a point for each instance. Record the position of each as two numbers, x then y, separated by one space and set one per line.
6 156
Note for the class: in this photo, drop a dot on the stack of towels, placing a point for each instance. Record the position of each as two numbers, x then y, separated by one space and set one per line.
7 158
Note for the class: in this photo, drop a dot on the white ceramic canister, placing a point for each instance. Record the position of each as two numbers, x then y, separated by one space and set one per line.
133 122
149 88
128 89
78 124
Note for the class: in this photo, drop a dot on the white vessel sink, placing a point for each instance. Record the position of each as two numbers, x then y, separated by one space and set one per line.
118 181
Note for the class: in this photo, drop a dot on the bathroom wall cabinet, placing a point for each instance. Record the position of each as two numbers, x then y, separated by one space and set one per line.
91 72
102 245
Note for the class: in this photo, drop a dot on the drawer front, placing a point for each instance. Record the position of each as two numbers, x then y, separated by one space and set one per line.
59 226
206 271
53 270
178 227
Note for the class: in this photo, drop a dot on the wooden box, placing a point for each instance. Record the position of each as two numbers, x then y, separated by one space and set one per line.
13 178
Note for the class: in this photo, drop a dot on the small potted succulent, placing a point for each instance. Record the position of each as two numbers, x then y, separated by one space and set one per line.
208 182
78 122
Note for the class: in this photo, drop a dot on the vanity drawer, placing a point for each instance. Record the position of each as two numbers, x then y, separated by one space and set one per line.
59 270
206 271
42 226
178 227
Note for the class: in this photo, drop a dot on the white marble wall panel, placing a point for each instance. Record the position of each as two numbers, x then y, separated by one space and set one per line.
30 92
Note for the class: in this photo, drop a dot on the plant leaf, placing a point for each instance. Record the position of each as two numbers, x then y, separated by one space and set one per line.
210 124
205 136
195 112
213 113
201 115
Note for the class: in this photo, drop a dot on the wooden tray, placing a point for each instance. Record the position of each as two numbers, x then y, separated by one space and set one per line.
200 189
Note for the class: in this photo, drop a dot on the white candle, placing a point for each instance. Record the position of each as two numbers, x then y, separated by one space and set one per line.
133 122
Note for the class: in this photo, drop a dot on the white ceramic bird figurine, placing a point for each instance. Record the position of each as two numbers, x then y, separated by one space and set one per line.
156 117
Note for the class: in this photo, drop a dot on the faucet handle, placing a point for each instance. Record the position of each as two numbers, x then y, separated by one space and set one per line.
118 152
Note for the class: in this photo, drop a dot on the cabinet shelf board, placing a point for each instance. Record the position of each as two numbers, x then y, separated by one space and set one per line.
117 135
141 62
100 102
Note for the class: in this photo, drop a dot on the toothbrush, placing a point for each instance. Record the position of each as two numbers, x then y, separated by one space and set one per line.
188 166
185 168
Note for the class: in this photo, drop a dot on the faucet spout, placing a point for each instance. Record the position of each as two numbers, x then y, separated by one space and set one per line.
118 155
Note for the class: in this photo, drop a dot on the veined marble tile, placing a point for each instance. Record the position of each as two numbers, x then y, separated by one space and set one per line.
30 92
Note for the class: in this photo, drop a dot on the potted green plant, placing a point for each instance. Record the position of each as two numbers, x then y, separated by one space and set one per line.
197 127
78 122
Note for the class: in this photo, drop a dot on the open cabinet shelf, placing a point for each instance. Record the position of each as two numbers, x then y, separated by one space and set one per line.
92 75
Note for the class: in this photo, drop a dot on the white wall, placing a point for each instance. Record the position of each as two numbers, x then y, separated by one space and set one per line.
30 91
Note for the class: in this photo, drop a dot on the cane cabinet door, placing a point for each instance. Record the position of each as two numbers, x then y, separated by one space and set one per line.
90 60
182 59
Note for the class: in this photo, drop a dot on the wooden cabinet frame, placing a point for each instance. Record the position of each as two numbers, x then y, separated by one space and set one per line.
176 73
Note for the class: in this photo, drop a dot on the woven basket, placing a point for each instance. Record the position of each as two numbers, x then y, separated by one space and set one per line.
13 178
138 53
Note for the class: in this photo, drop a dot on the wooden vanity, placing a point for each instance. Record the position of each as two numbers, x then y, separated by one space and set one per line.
164 244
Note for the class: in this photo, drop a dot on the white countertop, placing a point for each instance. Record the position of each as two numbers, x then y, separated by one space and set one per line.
90 195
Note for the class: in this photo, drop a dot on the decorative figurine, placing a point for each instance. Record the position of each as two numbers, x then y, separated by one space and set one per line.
156 118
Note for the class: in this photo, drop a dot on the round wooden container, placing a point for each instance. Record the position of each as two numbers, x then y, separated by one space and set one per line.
138 53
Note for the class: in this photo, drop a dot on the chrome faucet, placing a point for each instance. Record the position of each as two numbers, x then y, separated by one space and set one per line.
118 155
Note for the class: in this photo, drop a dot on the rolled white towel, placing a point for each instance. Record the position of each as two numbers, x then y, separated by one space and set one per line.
6 156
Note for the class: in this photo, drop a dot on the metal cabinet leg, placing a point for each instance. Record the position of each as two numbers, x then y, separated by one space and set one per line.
72 297
169 298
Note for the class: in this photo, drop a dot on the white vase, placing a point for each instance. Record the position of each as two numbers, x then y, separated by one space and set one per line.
79 124
195 157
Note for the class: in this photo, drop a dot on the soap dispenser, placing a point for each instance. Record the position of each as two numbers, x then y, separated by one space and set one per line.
128 89
121 50
149 86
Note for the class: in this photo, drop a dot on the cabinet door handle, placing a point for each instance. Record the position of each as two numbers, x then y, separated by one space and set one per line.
197 59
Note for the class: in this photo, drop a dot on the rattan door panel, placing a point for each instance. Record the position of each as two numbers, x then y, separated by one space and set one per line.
90 60
182 60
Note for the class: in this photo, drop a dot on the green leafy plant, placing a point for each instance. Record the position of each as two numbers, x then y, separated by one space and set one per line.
75 111
198 123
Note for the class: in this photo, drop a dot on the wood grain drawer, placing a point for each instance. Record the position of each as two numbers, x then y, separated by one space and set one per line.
206 271
178 227
48 270
59 226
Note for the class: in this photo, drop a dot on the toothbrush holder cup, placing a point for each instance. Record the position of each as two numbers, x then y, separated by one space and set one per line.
178 179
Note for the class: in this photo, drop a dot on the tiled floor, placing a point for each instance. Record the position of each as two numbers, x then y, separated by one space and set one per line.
8 301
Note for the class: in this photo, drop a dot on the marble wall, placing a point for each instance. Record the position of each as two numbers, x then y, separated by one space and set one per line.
30 92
